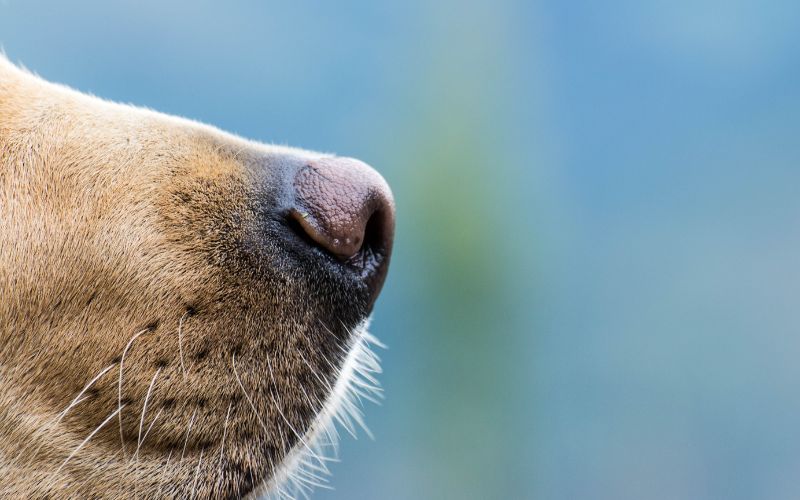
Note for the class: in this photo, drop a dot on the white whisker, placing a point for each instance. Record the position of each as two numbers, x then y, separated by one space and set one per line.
119 388
144 410
78 399
246 395
288 424
90 436
152 423
188 430
196 473
300 471
164 475
75 402
224 436
320 378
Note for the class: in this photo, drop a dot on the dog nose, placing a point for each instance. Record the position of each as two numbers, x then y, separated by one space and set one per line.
347 209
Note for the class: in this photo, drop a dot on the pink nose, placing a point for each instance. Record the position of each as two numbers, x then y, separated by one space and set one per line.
347 209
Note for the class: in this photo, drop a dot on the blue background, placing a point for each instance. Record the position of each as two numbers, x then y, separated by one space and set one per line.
597 275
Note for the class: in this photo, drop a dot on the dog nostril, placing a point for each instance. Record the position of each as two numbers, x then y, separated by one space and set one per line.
346 208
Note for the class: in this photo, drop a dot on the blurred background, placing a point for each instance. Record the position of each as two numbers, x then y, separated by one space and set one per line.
596 286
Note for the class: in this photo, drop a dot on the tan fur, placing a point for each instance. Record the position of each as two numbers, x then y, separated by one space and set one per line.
117 221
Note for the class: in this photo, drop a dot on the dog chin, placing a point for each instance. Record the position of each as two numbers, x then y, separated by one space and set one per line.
306 465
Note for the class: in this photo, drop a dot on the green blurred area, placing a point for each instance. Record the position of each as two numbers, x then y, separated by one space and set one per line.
451 219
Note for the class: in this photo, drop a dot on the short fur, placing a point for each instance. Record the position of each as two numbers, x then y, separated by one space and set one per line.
159 334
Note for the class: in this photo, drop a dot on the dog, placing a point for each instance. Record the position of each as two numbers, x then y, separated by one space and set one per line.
183 312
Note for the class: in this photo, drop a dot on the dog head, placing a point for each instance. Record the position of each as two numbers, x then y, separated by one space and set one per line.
182 311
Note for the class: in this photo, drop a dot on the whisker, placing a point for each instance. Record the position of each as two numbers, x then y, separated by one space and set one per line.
119 389
189 429
197 473
90 436
246 395
164 475
147 432
144 410
309 400
280 412
322 379
224 435
75 402
352 380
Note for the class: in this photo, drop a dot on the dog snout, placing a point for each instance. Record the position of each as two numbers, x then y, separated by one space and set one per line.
344 207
